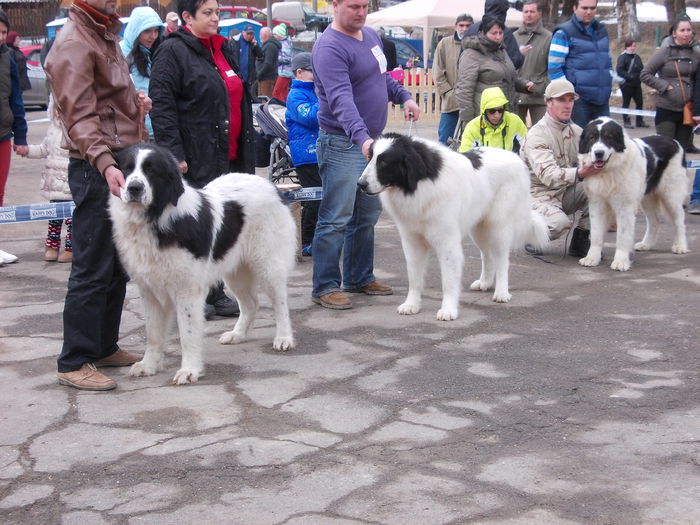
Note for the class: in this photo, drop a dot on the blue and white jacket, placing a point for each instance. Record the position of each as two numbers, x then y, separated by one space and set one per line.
302 122
582 55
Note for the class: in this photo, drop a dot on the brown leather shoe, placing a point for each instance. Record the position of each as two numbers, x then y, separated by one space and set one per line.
373 288
66 257
334 300
86 378
119 358
50 254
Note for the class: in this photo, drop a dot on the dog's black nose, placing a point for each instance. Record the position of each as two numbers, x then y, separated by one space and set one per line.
599 154
362 184
135 188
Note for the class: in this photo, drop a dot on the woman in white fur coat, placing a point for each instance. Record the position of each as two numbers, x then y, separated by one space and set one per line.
54 185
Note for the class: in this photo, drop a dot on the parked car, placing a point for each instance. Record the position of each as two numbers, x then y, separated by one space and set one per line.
252 13
38 95
301 15
409 52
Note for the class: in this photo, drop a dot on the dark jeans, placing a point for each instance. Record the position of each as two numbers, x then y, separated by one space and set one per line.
97 282
670 124
309 178
584 112
630 93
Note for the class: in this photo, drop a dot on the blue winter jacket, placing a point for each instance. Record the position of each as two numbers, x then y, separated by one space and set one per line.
141 18
302 122
588 64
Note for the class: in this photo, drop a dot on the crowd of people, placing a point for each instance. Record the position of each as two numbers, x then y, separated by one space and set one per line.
182 85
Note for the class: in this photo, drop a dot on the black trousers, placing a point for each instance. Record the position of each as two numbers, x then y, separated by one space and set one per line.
309 178
632 93
97 283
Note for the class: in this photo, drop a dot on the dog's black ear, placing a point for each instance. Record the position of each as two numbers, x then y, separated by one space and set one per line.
588 137
613 135
414 170
125 160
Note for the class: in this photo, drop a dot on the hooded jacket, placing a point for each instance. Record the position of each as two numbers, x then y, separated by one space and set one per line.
484 64
498 9
141 19
301 118
508 134
660 73
191 108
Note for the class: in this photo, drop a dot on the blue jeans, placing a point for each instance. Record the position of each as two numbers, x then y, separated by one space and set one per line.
584 112
448 123
695 196
346 219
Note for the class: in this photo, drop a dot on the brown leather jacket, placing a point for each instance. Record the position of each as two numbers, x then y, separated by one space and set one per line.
93 92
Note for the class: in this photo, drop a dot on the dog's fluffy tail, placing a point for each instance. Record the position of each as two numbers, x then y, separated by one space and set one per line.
538 234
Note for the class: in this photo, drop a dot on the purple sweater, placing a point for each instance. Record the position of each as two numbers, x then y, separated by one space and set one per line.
353 93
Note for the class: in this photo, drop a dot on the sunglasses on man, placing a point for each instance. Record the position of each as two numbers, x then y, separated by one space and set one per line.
493 111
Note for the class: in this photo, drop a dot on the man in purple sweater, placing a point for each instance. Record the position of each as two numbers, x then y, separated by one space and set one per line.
354 91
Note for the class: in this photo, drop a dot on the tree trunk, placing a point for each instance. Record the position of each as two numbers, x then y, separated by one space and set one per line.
567 9
550 12
674 8
373 6
627 23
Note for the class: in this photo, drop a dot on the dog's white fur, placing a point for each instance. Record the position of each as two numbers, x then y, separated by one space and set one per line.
174 283
618 190
490 204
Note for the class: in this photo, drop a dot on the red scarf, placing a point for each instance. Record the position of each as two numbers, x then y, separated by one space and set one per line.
98 16
234 86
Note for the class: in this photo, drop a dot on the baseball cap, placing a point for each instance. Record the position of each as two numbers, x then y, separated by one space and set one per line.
301 61
559 87
280 31
248 28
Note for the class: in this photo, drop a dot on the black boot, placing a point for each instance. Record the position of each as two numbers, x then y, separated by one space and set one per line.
222 303
628 122
580 242
642 124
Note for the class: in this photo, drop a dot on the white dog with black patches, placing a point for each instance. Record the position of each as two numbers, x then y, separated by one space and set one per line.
176 241
438 197
648 171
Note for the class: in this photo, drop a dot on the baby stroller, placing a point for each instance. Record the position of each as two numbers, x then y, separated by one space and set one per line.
273 131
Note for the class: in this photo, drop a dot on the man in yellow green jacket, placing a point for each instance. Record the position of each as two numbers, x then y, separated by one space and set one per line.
495 126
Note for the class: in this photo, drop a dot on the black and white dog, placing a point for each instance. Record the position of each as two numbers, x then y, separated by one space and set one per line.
176 241
438 197
648 171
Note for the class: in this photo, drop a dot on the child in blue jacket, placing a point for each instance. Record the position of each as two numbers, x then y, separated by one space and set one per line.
302 126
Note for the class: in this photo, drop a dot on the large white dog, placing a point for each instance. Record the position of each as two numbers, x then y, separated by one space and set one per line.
438 197
176 241
647 171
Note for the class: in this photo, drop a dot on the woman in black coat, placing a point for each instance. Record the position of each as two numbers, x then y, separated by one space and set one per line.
201 107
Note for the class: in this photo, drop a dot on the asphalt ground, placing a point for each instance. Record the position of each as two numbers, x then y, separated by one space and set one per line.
576 403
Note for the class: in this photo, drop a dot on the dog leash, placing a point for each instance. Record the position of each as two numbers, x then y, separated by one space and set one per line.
410 123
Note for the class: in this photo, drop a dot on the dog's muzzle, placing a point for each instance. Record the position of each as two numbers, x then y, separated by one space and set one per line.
599 160
364 186
134 191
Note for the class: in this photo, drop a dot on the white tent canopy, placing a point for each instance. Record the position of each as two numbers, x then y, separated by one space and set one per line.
430 14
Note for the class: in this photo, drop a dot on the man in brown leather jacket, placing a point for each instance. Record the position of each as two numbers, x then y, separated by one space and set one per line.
101 113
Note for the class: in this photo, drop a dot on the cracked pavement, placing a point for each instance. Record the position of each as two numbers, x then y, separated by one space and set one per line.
578 402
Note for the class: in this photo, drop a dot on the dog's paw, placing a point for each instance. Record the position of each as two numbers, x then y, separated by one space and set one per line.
679 249
621 265
185 376
479 285
143 369
589 261
283 343
231 338
408 308
502 297
642 247
447 314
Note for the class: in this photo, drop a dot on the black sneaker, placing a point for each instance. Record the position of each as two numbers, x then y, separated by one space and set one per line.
226 307
580 243
642 125
529 248
692 149
628 125
209 311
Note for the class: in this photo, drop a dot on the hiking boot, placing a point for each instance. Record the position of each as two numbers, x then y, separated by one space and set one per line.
334 300
66 257
86 378
580 243
119 358
222 303
209 311
50 254
373 288
694 208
